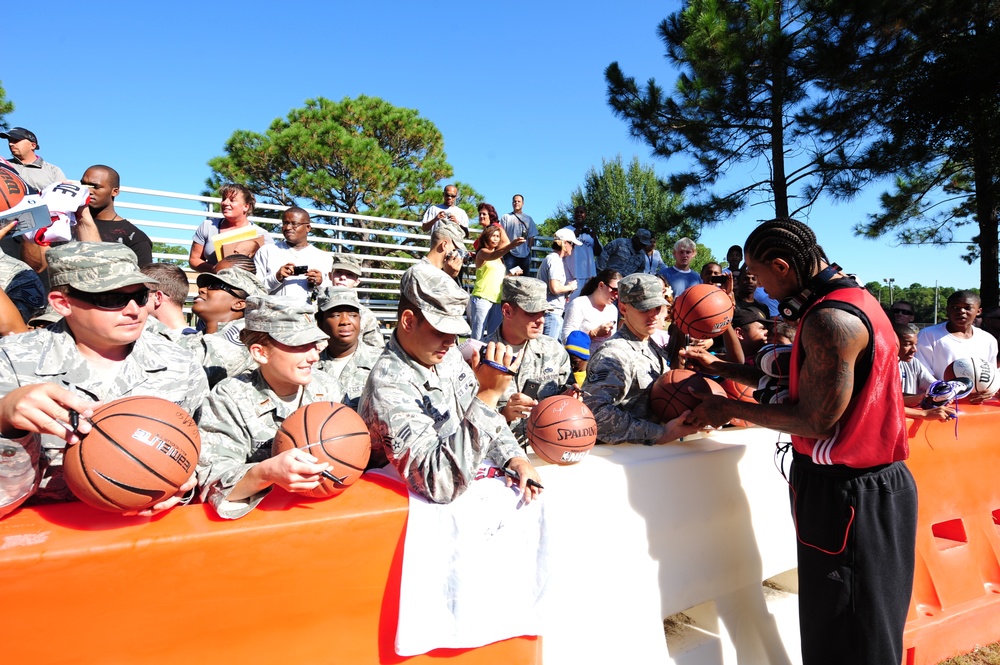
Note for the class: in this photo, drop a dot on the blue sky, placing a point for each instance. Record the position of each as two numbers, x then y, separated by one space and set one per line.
516 88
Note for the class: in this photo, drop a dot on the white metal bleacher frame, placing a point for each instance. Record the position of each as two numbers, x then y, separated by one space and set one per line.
379 284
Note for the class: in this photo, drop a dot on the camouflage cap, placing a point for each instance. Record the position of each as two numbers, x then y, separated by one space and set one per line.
286 320
94 267
44 317
338 296
452 231
438 297
527 293
346 262
236 278
644 237
641 291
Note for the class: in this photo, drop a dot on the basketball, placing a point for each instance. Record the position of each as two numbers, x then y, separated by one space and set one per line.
561 429
740 393
330 432
139 451
979 371
669 396
703 311
12 189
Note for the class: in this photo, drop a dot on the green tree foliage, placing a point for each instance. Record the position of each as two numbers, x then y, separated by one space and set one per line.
6 107
743 78
924 80
622 198
923 299
359 156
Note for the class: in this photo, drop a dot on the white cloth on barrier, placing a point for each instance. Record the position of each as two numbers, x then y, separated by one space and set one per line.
474 571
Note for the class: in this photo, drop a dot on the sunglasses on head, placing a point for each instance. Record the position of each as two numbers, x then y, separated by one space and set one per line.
110 299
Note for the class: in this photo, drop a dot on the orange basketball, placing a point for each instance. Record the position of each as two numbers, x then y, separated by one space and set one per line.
12 189
140 451
703 311
740 393
669 396
561 429
330 432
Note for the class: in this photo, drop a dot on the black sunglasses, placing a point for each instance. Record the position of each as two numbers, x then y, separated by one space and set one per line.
110 300
222 286
901 311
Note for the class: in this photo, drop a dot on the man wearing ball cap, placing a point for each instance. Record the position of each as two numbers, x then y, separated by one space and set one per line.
96 353
345 357
433 416
622 370
243 413
543 360
34 170
346 271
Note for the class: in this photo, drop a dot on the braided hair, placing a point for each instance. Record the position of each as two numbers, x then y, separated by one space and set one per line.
787 239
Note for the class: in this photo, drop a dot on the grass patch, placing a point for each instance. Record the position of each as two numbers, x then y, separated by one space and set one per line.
987 655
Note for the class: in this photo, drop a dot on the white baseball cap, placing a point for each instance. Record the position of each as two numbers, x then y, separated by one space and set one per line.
567 235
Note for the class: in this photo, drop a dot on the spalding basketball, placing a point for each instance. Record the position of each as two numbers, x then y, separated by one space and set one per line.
703 311
139 452
561 429
669 396
980 371
330 432
12 189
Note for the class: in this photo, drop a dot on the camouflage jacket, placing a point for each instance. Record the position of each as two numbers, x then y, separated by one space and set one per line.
22 285
239 421
371 332
221 353
619 376
542 359
430 423
621 256
33 463
353 377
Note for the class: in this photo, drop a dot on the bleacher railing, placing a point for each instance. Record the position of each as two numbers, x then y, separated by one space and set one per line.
386 247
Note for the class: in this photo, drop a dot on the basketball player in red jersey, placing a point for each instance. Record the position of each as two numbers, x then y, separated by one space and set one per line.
854 502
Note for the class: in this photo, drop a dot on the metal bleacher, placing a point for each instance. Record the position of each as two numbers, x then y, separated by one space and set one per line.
386 247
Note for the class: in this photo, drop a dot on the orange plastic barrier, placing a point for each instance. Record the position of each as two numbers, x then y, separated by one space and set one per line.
293 582
956 586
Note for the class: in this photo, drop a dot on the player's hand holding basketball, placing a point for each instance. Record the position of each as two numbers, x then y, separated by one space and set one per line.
696 356
44 408
525 472
712 412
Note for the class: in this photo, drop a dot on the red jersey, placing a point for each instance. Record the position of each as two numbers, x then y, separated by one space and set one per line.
872 431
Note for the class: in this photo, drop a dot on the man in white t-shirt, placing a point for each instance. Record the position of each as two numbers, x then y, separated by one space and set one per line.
938 346
446 211
293 267
582 264
560 285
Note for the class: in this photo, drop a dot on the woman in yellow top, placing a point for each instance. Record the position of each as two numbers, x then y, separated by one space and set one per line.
484 307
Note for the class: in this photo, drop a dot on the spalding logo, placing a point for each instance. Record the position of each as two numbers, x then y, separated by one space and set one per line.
576 433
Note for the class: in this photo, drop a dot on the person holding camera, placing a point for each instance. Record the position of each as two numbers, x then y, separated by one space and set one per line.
446 212
583 261
293 267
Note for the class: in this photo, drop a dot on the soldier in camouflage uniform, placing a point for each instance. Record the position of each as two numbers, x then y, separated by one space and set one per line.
22 285
220 303
243 413
448 250
344 358
433 415
97 352
626 255
622 370
346 271
543 359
